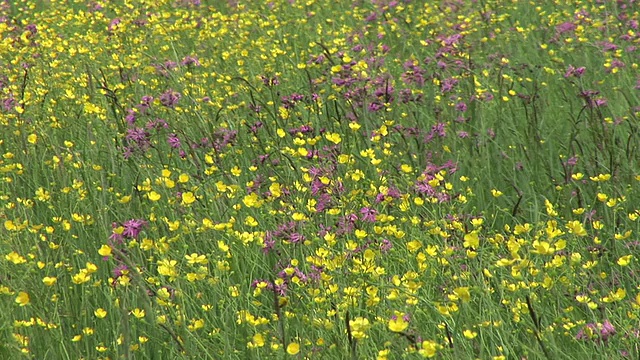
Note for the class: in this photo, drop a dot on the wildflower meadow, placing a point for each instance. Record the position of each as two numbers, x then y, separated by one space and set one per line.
319 179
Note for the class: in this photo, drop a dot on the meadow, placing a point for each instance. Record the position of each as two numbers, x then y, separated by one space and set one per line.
193 179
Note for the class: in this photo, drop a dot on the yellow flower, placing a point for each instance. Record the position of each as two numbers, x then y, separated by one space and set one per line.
138 313
196 324
81 277
358 327
257 340
196 259
542 248
15 258
163 294
188 198
91 268
522 229
383 354
105 250
333 137
428 349
252 200
618 295
575 227
463 293
49 280
23 298
42 194
100 313
299 216
284 113
154 196
360 234
625 260
250 221
471 240
469 334
293 348
167 268
275 189
398 324
414 245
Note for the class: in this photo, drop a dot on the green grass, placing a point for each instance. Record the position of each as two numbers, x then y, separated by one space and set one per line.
317 180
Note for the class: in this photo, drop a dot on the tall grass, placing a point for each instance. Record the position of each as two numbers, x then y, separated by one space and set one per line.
374 179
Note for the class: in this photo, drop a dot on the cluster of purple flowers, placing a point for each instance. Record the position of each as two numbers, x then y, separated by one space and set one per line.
599 333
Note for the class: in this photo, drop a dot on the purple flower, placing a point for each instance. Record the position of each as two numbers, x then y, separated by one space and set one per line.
114 24
281 290
437 129
607 330
324 201
130 117
190 60
145 104
597 332
133 227
607 46
375 106
296 238
270 81
119 270
115 236
448 85
576 72
368 215
170 98
572 161
565 27
137 139
156 124
615 64
386 246
9 103
174 141
268 244
346 224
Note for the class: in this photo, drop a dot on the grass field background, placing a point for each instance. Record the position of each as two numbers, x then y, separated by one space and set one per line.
317 179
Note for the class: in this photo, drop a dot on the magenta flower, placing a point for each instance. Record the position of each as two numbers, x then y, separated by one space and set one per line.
132 228
170 98
597 332
190 60
173 141
386 246
368 215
